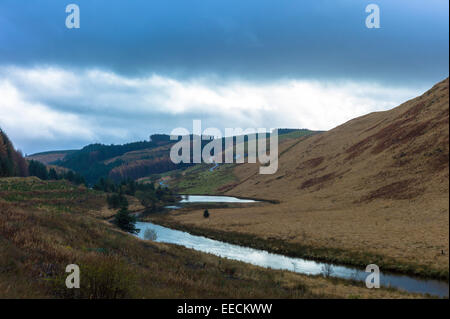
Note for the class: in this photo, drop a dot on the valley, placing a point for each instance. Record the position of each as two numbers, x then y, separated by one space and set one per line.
373 190
45 225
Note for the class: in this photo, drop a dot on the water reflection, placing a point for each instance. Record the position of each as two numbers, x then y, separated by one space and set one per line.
214 199
274 261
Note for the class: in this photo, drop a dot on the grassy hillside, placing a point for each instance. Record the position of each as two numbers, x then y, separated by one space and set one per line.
46 225
216 179
374 189
202 179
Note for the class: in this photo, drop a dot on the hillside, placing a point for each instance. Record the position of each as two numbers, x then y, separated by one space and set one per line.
12 162
217 178
396 154
48 158
98 160
129 161
374 189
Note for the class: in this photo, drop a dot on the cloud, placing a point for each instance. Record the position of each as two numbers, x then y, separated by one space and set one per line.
33 122
255 39
48 107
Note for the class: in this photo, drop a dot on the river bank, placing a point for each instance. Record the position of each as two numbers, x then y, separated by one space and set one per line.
262 258
358 259
69 226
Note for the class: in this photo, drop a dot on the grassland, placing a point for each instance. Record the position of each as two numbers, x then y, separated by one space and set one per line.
197 179
200 179
46 225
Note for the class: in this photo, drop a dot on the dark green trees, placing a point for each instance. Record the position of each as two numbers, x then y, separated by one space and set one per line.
125 221
52 174
12 162
37 169
117 200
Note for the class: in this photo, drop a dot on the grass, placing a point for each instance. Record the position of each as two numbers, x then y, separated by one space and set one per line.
37 242
200 180
296 135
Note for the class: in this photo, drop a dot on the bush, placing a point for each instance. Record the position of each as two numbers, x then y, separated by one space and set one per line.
125 221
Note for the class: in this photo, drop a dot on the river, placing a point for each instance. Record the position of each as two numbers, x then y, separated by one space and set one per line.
274 261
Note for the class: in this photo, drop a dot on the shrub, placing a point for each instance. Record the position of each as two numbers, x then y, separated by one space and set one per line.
125 221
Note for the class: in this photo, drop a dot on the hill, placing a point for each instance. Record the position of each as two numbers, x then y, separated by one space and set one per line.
128 161
98 160
374 189
48 158
12 163
214 178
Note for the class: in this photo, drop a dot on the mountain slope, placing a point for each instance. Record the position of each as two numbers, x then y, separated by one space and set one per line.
129 161
48 158
98 160
373 189
396 154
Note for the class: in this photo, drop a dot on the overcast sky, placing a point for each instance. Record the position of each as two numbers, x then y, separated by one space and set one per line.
135 68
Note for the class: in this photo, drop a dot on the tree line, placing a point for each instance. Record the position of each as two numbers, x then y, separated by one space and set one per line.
90 160
41 171
12 162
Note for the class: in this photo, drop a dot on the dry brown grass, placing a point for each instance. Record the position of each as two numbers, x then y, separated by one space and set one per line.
376 185
37 242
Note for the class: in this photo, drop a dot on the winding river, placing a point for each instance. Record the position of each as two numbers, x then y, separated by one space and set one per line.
274 261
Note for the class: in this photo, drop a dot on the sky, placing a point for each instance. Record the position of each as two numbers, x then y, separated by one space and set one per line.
135 68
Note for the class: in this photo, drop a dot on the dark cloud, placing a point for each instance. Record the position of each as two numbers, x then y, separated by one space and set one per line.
262 39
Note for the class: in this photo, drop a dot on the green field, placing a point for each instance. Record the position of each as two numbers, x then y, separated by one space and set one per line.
200 180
